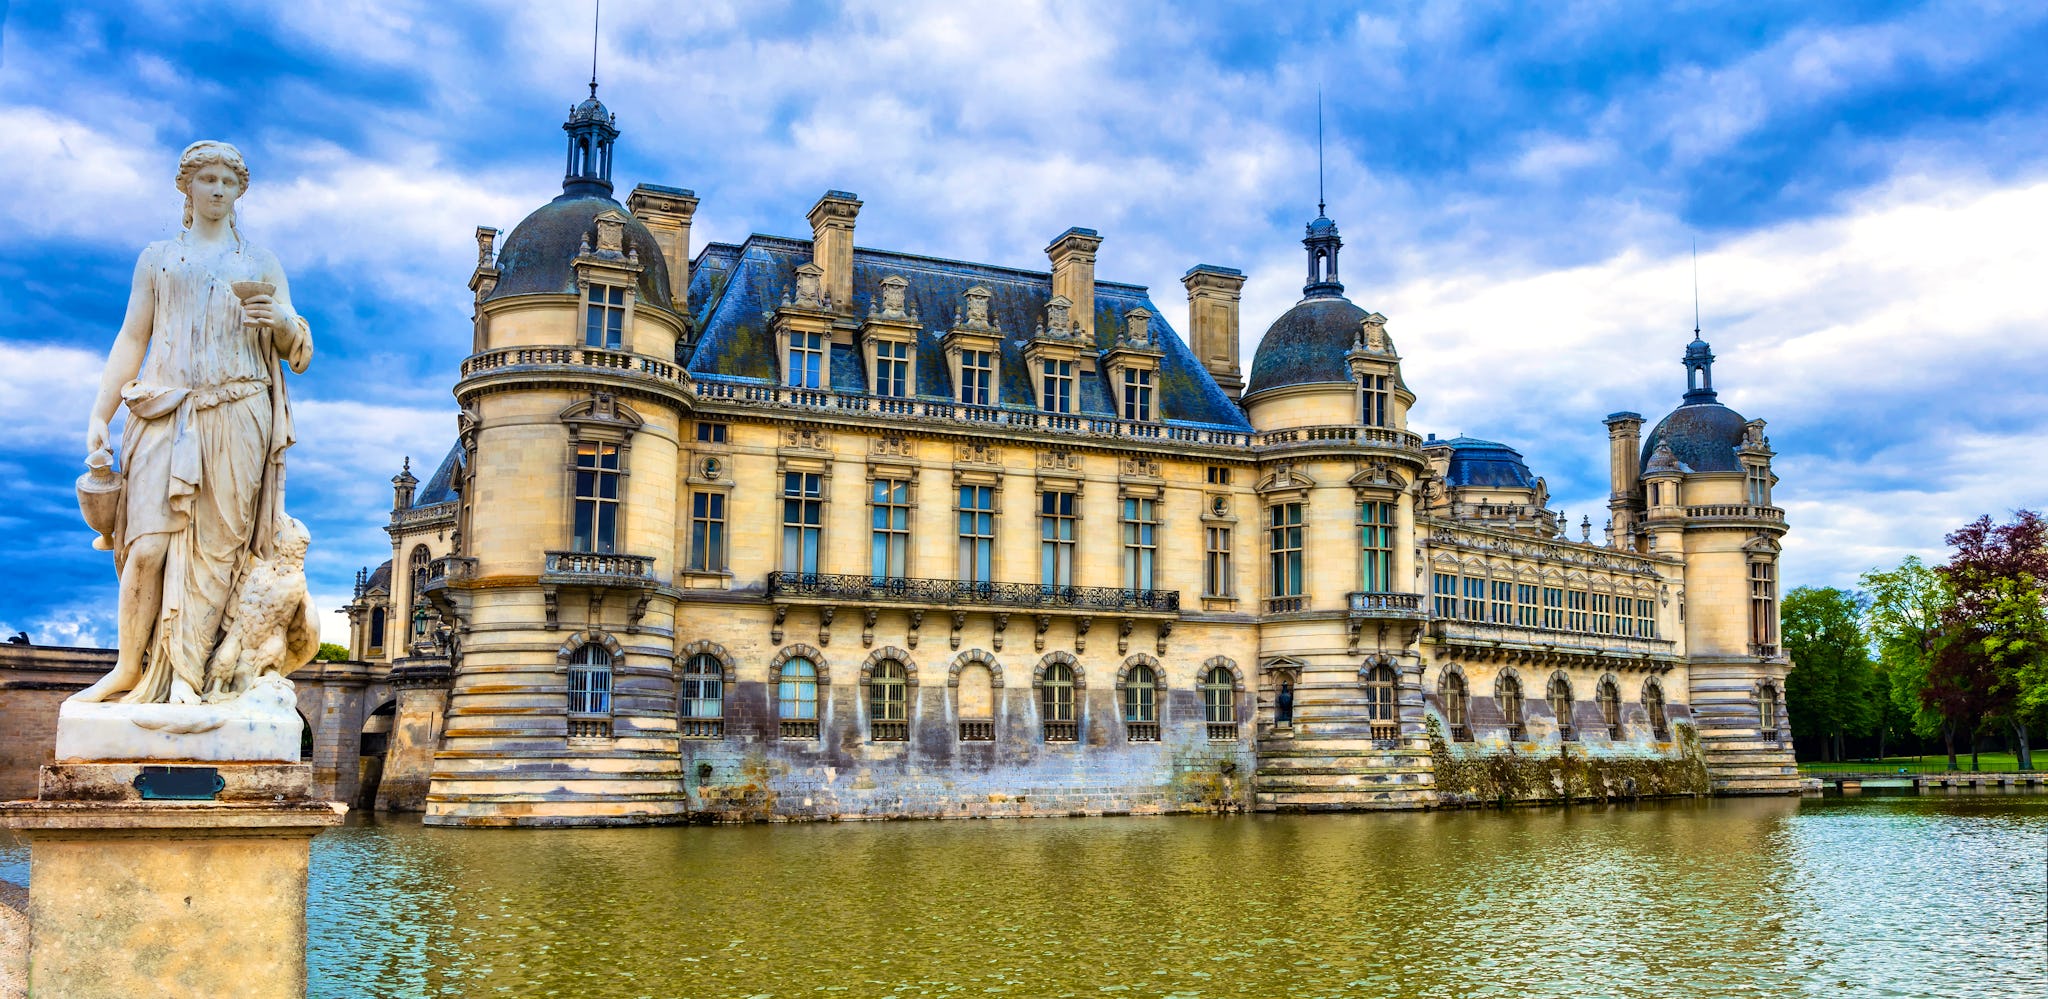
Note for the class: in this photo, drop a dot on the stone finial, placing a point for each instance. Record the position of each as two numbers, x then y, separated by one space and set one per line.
810 292
1374 328
1138 327
976 299
893 288
611 234
1058 310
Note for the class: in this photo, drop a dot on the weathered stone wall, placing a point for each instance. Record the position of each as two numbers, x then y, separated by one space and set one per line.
34 680
1497 772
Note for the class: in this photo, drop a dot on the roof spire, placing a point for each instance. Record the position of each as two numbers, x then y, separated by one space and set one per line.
596 10
1695 287
1320 208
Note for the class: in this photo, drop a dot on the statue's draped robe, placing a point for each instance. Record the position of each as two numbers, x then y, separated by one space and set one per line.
203 452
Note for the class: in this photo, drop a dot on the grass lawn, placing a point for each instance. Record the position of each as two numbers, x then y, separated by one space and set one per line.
1988 762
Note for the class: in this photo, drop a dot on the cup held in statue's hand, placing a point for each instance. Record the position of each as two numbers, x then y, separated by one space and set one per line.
99 497
246 290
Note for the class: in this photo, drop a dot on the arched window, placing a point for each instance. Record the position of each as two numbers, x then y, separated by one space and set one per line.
1452 692
377 629
590 692
1381 709
1560 698
975 700
416 567
1653 705
1609 697
1141 705
796 699
1508 694
1056 704
703 702
888 703
1767 710
1219 704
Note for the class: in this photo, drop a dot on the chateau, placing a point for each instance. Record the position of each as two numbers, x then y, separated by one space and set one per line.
805 528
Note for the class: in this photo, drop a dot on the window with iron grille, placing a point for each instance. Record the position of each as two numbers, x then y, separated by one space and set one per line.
1451 691
1377 519
1056 386
1219 697
702 707
1056 704
1653 705
604 320
803 520
1141 541
590 681
597 496
1217 575
977 533
890 541
977 377
888 703
1609 697
1507 694
707 532
796 699
806 367
1055 539
1140 703
1137 394
892 369
1560 698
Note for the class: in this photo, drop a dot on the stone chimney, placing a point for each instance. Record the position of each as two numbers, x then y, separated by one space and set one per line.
402 486
1624 445
1213 294
667 212
832 245
1073 273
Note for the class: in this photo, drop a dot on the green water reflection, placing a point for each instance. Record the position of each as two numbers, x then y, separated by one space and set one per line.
1873 897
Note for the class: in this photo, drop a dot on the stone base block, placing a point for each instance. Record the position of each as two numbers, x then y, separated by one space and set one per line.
261 782
262 725
191 899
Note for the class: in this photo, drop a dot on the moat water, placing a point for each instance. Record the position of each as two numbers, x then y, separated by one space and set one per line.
1877 896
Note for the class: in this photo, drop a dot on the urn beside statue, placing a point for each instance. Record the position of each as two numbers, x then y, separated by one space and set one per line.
170 840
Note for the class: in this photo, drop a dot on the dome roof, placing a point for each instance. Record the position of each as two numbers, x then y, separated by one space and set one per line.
1476 462
1306 345
591 109
539 256
1702 434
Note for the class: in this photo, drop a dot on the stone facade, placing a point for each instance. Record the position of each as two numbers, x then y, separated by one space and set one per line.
803 529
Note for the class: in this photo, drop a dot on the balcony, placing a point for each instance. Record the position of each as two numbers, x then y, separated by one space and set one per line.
1478 638
888 731
1404 606
1222 731
977 730
1286 605
798 728
1737 512
516 358
1340 435
596 569
843 588
449 569
1062 731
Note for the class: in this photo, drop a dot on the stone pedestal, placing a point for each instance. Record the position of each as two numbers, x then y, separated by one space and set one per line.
130 896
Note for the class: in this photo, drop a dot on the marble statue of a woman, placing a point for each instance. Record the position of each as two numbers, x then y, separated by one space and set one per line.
197 363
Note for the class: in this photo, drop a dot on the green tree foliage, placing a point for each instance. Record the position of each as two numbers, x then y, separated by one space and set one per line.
1903 618
331 653
1988 668
1829 693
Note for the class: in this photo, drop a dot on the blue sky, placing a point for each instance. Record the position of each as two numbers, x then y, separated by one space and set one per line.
1519 188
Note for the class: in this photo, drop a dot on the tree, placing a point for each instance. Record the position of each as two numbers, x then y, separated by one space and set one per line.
1995 637
331 653
1904 619
1828 691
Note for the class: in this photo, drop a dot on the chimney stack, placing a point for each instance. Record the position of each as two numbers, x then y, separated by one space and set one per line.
1624 446
1073 273
1213 294
832 245
667 212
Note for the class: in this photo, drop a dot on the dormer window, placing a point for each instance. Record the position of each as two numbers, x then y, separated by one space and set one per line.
604 322
1137 394
1759 481
806 367
1373 409
977 377
1056 386
892 369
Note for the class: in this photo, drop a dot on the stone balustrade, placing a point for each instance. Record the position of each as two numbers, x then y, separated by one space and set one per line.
848 588
1396 605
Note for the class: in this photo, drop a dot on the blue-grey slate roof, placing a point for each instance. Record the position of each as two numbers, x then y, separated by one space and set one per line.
540 254
1476 462
440 486
1704 436
1307 345
733 287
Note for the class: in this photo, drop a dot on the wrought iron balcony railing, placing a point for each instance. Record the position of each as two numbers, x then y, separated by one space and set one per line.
594 567
1404 605
957 592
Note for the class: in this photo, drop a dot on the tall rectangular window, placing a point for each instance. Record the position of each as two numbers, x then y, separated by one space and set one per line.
1056 389
1373 408
1284 543
1759 479
1553 608
890 554
1624 617
977 533
1474 606
1603 614
1525 605
1575 610
1443 590
1378 570
803 520
604 321
1055 539
1141 541
977 377
892 369
1646 618
1137 394
806 360
707 532
1503 602
1763 606
597 496
1217 574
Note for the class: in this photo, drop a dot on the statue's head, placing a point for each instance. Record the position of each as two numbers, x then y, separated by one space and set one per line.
291 540
211 175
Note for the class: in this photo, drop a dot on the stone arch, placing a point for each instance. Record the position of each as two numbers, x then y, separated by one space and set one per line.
1510 673
1555 676
1063 658
794 651
995 669
902 658
593 637
1236 675
1124 671
1448 670
715 651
